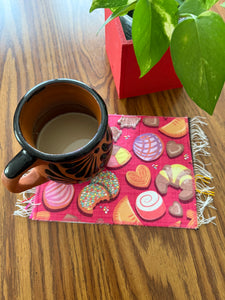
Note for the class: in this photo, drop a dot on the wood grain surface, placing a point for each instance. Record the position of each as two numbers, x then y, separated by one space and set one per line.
41 40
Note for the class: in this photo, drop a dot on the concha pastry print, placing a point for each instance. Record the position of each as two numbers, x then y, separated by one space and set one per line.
148 146
57 196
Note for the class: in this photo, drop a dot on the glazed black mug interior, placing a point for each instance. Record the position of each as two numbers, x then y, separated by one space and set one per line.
42 104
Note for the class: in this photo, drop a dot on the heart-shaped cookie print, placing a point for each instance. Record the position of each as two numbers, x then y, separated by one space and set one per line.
176 209
174 149
151 121
140 178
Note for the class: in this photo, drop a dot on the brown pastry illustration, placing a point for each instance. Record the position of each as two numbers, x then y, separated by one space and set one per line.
174 149
151 121
178 176
176 209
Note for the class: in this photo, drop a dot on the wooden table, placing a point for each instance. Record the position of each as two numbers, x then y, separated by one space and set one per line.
41 40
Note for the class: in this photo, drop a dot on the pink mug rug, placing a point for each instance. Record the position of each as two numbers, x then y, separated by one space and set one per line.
154 177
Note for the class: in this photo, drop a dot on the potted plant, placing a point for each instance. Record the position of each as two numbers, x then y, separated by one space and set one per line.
189 30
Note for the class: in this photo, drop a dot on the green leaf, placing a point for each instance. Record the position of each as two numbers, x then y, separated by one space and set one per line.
209 3
153 24
119 12
109 4
179 1
198 54
223 4
196 7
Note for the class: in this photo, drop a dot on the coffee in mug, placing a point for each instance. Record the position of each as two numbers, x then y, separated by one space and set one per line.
67 133
62 126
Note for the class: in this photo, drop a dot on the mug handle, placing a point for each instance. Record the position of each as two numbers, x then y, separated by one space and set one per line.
13 176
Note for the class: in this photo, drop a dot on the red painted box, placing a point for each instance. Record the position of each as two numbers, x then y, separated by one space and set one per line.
125 68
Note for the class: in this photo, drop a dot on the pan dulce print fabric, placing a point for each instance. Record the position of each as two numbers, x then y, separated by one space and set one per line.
149 180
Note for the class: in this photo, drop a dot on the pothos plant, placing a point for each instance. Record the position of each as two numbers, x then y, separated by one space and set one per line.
194 33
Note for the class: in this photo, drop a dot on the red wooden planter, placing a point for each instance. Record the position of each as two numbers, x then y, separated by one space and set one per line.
125 69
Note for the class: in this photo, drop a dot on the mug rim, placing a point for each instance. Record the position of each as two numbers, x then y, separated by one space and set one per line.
64 156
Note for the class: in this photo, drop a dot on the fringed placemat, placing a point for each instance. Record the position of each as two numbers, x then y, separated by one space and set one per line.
155 177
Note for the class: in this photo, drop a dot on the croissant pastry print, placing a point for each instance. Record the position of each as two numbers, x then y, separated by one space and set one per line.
177 176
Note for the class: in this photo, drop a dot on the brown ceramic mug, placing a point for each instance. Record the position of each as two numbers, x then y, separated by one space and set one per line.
40 105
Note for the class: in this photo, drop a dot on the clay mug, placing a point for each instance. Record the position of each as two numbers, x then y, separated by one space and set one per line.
32 167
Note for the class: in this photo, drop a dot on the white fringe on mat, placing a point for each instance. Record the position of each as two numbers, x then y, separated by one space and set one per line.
26 205
203 178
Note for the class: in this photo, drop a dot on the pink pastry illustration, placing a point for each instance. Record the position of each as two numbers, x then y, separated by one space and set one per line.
57 196
119 157
150 206
148 146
